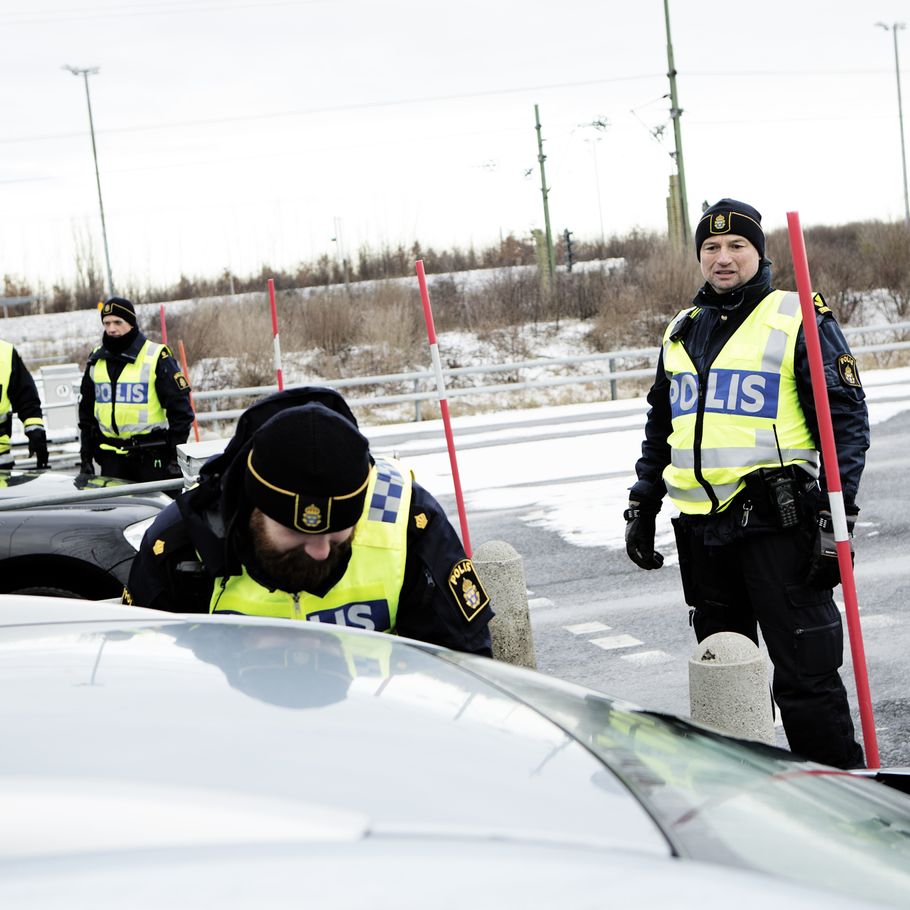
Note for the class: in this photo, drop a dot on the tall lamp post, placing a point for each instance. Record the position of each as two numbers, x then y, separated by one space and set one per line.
85 72
893 28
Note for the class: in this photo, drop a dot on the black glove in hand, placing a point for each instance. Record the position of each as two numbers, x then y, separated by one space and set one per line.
86 466
640 537
824 569
37 446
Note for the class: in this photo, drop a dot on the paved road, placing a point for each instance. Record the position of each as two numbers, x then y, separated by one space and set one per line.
599 620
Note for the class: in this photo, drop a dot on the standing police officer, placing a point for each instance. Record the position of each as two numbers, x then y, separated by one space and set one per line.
18 392
134 406
732 438
296 519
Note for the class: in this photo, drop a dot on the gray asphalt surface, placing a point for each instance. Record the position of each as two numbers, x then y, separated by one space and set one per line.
583 602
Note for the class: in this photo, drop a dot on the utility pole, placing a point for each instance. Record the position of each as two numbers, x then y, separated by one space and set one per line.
85 72
541 157
675 114
900 112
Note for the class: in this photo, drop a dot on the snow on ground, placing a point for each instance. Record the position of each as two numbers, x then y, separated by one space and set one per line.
550 480
547 479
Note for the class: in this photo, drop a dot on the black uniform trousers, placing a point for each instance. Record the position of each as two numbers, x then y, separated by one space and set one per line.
759 578
139 466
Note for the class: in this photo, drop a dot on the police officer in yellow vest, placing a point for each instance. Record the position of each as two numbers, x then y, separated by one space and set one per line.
134 407
18 393
297 520
732 438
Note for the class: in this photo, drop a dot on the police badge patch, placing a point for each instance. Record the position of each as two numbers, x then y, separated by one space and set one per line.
467 589
180 379
847 369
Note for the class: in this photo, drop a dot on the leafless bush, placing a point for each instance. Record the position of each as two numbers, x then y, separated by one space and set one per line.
836 266
885 249
641 298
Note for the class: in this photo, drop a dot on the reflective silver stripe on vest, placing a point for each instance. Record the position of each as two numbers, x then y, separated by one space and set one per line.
722 491
789 306
743 457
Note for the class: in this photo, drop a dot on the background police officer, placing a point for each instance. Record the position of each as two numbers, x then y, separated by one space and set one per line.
732 437
297 520
134 406
18 393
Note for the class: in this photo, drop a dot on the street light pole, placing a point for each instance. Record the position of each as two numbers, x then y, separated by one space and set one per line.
85 72
900 112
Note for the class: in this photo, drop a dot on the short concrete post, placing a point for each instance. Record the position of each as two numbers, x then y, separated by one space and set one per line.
501 571
728 687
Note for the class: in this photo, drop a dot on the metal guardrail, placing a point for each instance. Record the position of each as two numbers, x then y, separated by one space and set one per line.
423 383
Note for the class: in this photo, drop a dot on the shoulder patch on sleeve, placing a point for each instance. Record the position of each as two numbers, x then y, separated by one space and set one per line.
467 589
820 306
181 381
848 371
421 520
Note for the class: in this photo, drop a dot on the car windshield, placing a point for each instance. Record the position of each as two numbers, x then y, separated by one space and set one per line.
740 803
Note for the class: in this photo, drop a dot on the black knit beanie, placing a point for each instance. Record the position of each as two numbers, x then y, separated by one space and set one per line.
308 469
121 307
730 216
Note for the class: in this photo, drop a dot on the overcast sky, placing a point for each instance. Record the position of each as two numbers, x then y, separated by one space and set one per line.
233 133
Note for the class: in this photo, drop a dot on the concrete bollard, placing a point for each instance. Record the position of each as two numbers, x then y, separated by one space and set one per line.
501 571
728 687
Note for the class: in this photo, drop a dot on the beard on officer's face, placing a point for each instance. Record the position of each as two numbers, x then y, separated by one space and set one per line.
292 569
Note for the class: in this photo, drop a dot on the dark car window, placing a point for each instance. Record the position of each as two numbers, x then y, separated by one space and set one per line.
740 803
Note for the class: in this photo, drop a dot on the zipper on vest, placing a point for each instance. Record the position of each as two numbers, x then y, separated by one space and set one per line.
296 599
224 582
699 432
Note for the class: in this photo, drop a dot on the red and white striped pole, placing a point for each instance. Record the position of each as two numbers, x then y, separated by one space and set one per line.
163 323
443 404
277 343
186 373
835 492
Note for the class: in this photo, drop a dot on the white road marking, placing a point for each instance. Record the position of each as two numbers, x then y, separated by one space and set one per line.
615 641
583 628
648 658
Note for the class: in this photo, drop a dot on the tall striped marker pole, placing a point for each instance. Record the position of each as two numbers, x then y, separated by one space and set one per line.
276 342
835 492
186 373
443 403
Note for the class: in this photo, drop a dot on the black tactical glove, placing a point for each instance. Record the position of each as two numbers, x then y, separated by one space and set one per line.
86 465
824 570
640 521
37 446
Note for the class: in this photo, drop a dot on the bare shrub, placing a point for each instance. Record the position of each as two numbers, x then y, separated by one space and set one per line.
885 249
235 330
836 266
640 299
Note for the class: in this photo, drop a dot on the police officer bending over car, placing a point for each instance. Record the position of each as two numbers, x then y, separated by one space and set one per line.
732 437
297 520
134 405
18 393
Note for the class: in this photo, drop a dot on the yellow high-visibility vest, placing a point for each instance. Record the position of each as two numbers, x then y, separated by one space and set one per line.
132 402
743 416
